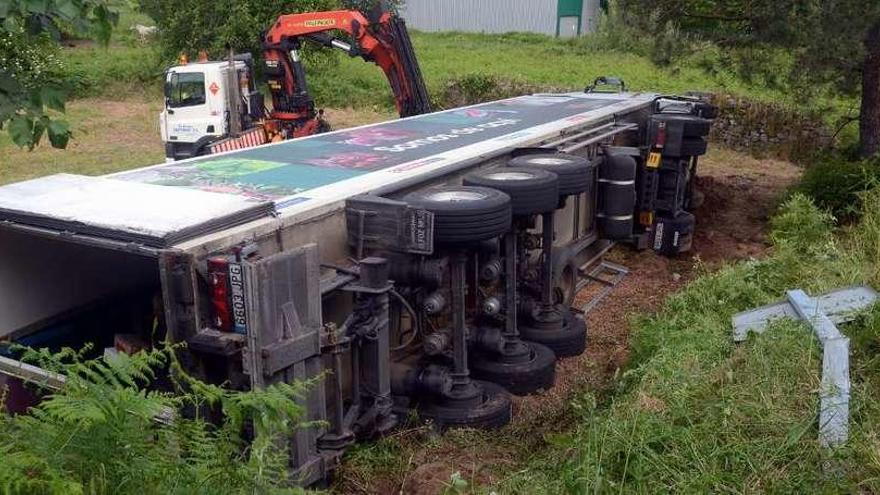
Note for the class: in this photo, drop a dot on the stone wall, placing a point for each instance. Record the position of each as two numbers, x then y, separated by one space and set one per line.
758 128
768 129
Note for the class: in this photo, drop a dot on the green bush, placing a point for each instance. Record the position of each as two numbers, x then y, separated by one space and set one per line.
106 432
212 25
32 61
476 87
120 71
836 184
614 32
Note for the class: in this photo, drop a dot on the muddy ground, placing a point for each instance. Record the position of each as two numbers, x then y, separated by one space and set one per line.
740 195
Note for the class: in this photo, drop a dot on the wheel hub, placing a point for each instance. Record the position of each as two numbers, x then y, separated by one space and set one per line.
464 394
510 176
457 196
514 351
548 317
549 161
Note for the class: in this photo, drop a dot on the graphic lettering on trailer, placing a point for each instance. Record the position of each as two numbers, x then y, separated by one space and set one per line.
239 313
453 134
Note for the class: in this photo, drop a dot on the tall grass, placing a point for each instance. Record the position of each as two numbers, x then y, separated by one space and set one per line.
696 413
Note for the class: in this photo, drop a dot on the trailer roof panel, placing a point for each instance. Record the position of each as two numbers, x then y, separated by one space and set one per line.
179 203
282 172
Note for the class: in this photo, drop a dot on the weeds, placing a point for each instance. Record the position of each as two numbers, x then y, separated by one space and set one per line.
105 432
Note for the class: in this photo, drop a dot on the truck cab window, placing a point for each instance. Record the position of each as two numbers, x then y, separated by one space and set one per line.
186 90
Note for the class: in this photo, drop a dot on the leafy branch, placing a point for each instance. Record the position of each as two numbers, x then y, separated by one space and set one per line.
29 32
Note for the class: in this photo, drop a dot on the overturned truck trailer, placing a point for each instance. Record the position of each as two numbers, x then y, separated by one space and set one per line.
426 264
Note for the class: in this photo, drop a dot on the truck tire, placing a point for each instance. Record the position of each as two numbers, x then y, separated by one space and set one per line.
531 191
570 340
519 378
692 126
464 214
575 172
493 412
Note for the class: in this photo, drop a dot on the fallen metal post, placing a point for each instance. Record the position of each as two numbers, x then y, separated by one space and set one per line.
821 313
834 392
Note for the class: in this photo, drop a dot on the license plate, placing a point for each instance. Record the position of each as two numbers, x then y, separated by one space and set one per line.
236 284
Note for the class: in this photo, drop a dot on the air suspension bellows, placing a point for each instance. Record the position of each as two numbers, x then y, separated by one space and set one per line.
617 196
463 217
501 356
548 322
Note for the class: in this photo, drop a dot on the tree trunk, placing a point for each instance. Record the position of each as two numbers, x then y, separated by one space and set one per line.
869 119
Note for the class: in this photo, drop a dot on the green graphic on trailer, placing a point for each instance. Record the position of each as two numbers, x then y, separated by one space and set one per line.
270 178
234 167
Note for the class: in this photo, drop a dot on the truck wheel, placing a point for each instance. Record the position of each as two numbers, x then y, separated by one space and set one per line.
692 127
531 191
537 372
570 340
493 411
575 172
464 214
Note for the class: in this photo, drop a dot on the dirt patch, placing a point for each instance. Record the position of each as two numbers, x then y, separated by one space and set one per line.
650 403
740 195
428 479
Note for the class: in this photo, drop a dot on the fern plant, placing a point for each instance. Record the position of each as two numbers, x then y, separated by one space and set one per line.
106 432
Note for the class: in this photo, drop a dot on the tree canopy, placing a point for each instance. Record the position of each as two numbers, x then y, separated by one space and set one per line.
31 86
214 25
834 42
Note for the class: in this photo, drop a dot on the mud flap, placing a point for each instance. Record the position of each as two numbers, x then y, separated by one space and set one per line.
283 314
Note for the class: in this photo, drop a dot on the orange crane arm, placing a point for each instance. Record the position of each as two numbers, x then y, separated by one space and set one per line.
382 40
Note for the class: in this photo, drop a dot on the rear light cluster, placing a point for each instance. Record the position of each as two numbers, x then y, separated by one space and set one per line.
660 142
226 279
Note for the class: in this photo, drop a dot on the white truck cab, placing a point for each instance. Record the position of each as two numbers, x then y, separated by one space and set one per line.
197 105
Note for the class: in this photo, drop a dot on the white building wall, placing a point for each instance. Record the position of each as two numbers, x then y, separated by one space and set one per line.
590 16
482 16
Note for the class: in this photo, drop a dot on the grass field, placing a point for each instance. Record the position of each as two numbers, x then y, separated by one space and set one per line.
532 59
128 66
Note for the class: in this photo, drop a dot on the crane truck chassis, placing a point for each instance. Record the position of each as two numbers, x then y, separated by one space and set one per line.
428 264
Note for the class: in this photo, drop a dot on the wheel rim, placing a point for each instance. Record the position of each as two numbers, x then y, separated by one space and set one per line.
510 176
456 196
548 161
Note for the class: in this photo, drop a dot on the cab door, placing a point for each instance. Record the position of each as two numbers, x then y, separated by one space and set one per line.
187 114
